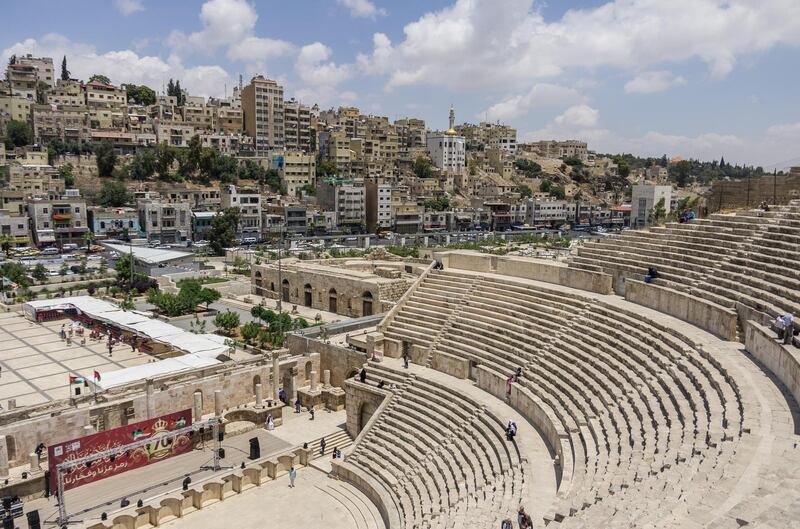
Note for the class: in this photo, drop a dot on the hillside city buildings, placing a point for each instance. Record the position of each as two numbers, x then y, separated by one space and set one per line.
340 171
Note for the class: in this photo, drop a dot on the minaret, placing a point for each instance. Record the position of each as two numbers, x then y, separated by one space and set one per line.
452 118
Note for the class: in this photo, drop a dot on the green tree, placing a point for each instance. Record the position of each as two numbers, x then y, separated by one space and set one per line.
525 191
88 240
250 331
39 273
227 321
164 158
64 71
208 296
223 231
527 167
308 190
143 166
5 244
681 172
422 167
106 158
113 194
438 204
65 172
123 267
658 214
100 78
140 94
63 270
18 134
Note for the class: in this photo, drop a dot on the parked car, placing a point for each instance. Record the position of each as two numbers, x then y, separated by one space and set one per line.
50 251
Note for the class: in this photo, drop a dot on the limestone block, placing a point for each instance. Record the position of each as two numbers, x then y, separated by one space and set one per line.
259 395
217 402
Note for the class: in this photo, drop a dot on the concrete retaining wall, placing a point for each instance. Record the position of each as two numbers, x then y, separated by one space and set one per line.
708 316
452 365
782 360
535 269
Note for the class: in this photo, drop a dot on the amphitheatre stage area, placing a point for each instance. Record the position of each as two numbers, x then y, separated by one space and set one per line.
581 393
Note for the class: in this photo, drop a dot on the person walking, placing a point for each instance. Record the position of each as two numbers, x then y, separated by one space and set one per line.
297 405
788 328
110 345
322 446
363 375
270 423
311 412
292 477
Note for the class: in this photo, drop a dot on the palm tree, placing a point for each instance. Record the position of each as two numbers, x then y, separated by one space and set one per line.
88 238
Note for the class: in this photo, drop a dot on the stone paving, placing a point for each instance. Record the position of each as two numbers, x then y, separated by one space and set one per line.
36 362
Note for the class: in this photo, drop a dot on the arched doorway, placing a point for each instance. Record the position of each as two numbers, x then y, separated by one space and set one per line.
307 295
258 278
365 413
285 290
332 300
366 304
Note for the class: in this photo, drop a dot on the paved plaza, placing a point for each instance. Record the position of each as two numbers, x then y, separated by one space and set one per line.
36 362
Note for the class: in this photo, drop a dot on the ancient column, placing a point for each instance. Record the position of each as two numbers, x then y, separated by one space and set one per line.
259 395
366 242
293 389
314 379
151 405
217 402
34 460
198 406
3 457
276 381
326 378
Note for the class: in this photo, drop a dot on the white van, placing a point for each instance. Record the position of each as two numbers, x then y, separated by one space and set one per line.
49 251
69 247
250 240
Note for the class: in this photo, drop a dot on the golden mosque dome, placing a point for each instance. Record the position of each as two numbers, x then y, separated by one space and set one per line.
451 132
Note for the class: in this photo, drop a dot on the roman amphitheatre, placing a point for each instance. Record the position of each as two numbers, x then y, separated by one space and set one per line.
666 403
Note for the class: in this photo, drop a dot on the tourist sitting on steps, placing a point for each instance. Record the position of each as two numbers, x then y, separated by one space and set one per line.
788 328
652 273
362 376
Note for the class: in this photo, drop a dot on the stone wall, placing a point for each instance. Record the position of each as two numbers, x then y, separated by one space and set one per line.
452 365
130 404
738 194
527 268
713 318
342 362
363 404
782 360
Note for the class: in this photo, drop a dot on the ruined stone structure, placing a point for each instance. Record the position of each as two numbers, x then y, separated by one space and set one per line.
350 287
654 418
749 193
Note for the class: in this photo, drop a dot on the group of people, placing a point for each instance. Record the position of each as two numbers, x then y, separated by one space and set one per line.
335 454
511 431
524 521
512 378
687 215
785 327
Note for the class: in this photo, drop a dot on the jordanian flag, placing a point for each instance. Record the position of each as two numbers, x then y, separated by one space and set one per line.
75 380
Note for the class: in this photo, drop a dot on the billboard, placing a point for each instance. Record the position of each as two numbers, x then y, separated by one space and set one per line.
154 430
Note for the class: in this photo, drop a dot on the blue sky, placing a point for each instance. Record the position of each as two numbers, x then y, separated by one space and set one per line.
692 78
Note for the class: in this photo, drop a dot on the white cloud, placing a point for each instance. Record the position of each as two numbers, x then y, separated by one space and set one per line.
255 49
124 66
578 116
539 96
475 44
128 7
362 8
652 82
320 76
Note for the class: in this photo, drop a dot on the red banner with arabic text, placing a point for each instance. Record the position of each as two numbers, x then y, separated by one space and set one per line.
158 449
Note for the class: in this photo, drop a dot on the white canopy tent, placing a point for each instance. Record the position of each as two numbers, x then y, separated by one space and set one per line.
201 350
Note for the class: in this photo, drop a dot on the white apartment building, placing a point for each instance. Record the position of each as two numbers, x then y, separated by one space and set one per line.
644 198
248 202
378 203
448 149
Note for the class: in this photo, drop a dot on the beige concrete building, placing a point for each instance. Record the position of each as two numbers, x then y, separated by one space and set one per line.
58 221
262 106
43 66
15 107
350 287
35 180
108 105
22 79
347 200
165 221
69 93
60 122
411 133
198 114
297 126
297 169
175 133
560 149
15 227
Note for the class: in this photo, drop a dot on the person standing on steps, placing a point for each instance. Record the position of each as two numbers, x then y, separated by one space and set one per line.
362 376
509 381
297 404
788 328
322 446
292 477
405 360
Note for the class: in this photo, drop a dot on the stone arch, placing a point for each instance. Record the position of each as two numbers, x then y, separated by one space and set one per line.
365 413
307 294
272 286
307 371
333 300
285 290
258 278
366 303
